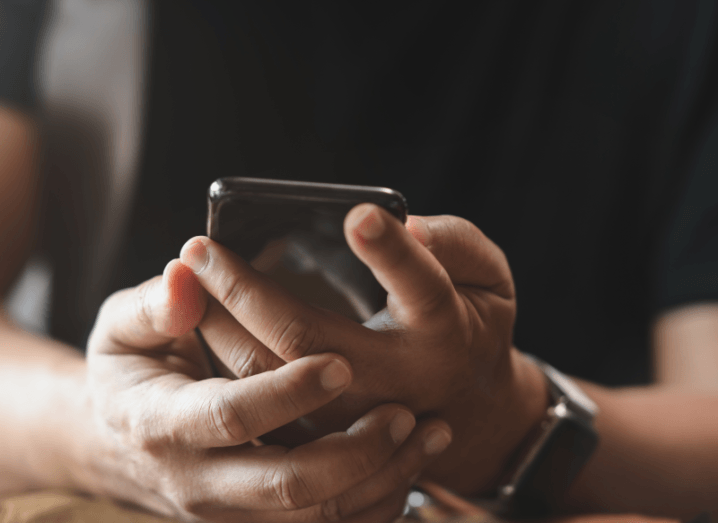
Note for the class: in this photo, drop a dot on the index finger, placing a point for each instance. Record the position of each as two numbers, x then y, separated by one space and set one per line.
278 319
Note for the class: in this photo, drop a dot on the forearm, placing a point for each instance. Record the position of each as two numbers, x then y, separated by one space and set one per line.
466 467
42 400
19 192
658 453
43 411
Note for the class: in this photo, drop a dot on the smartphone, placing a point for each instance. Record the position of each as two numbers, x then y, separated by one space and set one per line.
294 232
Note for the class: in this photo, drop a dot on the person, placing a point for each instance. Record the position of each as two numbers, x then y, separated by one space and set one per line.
524 99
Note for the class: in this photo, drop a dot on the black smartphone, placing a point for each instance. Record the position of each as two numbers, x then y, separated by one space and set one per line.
293 231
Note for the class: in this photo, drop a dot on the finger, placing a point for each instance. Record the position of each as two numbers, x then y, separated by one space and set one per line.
240 352
418 285
155 312
274 478
464 251
220 412
279 320
427 441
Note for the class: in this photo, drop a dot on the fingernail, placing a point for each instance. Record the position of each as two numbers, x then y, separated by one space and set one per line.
335 375
194 255
436 441
370 224
401 426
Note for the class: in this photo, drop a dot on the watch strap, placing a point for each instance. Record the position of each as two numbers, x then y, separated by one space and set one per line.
552 454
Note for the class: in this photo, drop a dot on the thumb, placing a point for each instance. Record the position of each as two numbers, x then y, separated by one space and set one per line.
155 312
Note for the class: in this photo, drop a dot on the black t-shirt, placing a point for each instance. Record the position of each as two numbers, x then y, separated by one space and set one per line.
581 137
20 22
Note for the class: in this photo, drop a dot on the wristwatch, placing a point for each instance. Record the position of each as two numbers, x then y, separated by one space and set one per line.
552 455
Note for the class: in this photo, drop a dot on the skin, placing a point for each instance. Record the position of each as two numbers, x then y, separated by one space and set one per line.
100 425
138 421
695 327
186 435
451 308
463 330
18 191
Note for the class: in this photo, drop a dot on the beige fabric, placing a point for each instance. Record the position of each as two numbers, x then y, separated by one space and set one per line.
55 506
65 507
49 506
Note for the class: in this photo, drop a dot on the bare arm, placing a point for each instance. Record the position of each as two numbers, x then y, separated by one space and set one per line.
42 404
142 419
659 444
18 191
685 343
39 380
659 449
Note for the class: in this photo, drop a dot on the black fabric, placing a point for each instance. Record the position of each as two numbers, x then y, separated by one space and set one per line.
579 136
20 22
705 517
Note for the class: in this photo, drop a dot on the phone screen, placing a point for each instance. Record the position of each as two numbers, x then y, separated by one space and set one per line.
294 233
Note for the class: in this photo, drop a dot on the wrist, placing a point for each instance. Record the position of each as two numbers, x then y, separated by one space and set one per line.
540 477
64 431
76 452
81 447
488 432
42 386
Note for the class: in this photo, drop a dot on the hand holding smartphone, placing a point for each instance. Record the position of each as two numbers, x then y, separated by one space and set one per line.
293 232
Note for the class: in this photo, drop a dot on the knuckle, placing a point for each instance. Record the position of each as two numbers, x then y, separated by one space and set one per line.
248 362
143 308
233 292
505 288
442 298
296 337
289 489
465 233
464 227
458 234
286 393
182 500
187 501
143 440
365 463
144 433
226 421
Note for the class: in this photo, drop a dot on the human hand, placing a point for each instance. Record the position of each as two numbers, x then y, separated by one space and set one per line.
173 438
441 347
